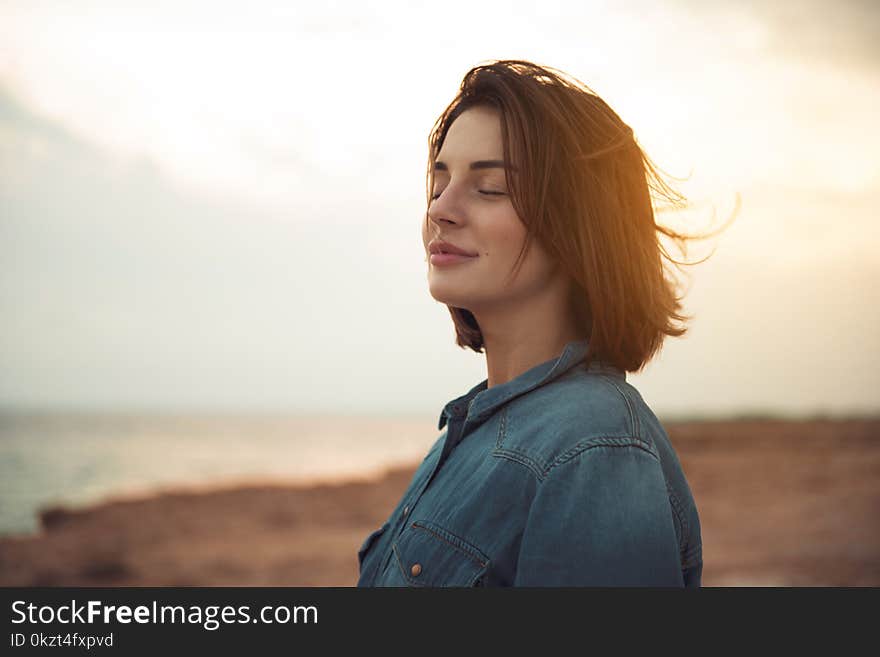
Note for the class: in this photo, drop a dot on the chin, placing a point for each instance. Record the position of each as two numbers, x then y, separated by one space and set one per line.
443 298
443 294
452 298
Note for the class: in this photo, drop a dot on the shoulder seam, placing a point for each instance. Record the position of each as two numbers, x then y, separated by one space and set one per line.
633 416
600 441
518 457
681 516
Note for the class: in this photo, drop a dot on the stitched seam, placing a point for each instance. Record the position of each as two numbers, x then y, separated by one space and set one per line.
518 457
502 428
695 548
403 569
600 441
460 548
444 534
692 561
694 552
512 454
683 515
678 510
634 422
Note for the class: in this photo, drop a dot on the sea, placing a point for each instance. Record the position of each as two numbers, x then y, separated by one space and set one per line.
76 459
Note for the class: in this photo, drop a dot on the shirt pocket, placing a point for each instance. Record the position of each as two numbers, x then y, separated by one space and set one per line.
368 543
426 554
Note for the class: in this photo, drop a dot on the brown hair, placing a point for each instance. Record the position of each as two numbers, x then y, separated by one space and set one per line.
583 189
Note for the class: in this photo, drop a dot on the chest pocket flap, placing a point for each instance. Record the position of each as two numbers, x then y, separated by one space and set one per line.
429 555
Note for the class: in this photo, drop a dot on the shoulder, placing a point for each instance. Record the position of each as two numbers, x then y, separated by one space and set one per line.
579 411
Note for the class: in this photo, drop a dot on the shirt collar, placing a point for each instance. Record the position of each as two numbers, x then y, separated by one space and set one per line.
481 401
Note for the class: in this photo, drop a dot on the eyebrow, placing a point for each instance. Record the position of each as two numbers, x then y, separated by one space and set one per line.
479 164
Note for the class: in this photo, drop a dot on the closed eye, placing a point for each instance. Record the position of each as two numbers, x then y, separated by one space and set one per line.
485 192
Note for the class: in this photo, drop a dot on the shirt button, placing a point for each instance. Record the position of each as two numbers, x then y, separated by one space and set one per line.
416 569
406 509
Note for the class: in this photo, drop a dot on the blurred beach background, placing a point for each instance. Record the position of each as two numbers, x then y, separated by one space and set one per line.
219 359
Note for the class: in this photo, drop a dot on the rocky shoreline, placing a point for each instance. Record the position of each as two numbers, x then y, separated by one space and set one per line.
782 503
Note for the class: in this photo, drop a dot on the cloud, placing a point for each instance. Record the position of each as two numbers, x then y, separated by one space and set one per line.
816 32
141 265
120 289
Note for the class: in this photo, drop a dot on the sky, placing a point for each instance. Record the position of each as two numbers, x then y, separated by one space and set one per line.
210 206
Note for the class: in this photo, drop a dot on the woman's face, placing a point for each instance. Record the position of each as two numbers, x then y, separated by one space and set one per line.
472 210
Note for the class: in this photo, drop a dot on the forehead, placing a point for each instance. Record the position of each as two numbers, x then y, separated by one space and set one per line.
474 135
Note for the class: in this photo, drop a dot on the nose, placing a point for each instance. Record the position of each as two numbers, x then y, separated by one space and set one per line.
442 210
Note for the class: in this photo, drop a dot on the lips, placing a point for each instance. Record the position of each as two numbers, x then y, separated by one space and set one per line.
441 246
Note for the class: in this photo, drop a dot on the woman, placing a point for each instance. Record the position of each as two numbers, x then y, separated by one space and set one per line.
542 242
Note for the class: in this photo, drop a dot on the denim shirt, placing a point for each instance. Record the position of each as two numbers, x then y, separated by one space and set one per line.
561 476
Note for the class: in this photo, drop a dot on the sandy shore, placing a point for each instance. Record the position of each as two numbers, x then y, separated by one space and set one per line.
781 503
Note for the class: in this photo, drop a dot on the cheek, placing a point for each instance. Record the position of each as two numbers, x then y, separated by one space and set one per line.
539 266
505 235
